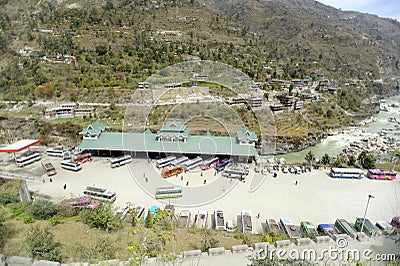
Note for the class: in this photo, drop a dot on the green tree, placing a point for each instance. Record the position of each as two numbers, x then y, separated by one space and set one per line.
325 160
352 160
101 50
395 158
208 240
367 161
42 209
310 157
151 245
3 229
102 217
41 245
97 249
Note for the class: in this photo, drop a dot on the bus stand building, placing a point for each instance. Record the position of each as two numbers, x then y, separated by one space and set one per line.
172 139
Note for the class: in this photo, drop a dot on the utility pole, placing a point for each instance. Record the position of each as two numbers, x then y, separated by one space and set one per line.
365 214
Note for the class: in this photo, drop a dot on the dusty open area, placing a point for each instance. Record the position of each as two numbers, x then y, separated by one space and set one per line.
317 197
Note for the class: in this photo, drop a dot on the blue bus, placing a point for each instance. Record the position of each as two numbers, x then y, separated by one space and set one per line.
346 173
221 165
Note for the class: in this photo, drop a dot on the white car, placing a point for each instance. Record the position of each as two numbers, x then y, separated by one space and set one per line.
229 226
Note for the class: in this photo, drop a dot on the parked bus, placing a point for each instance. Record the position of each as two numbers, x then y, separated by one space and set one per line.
395 222
383 225
207 164
381 174
368 228
200 219
346 173
57 152
343 226
309 229
27 158
168 192
247 223
171 171
221 165
49 168
161 163
193 163
100 194
179 161
82 203
327 230
69 165
292 230
122 160
235 173
82 158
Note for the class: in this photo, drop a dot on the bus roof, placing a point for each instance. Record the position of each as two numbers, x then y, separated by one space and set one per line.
379 171
352 170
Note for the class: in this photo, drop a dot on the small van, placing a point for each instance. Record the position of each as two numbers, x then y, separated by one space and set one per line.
229 226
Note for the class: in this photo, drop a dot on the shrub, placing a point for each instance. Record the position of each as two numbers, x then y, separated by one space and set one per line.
41 245
18 210
28 219
101 248
102 217
56 219
42 210
6 198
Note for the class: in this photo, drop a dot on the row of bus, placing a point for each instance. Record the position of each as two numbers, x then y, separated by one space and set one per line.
358 173
202 219
341 226
173 166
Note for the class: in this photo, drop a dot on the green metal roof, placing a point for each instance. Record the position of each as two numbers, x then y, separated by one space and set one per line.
146 142
94 128
173 129
246 134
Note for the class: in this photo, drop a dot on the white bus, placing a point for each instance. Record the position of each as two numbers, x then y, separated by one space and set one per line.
121 160
179 161
27 158
346 173
100 194
161 163
191 164
69 165
57 151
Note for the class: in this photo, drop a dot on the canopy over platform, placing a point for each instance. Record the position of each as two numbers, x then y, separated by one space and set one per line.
20 145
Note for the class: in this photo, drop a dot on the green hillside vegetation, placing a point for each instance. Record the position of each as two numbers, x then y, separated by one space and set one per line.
97 51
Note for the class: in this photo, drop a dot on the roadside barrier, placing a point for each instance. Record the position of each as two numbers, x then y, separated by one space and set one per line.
191 253
303 241
239 248
261 245
283 243
216 251
322 239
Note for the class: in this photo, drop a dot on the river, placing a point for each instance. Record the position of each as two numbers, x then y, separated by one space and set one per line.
333 145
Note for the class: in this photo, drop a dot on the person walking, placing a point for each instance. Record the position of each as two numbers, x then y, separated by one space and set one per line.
296 183
65 186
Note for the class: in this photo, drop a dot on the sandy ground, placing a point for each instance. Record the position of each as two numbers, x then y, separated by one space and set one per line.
317 197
